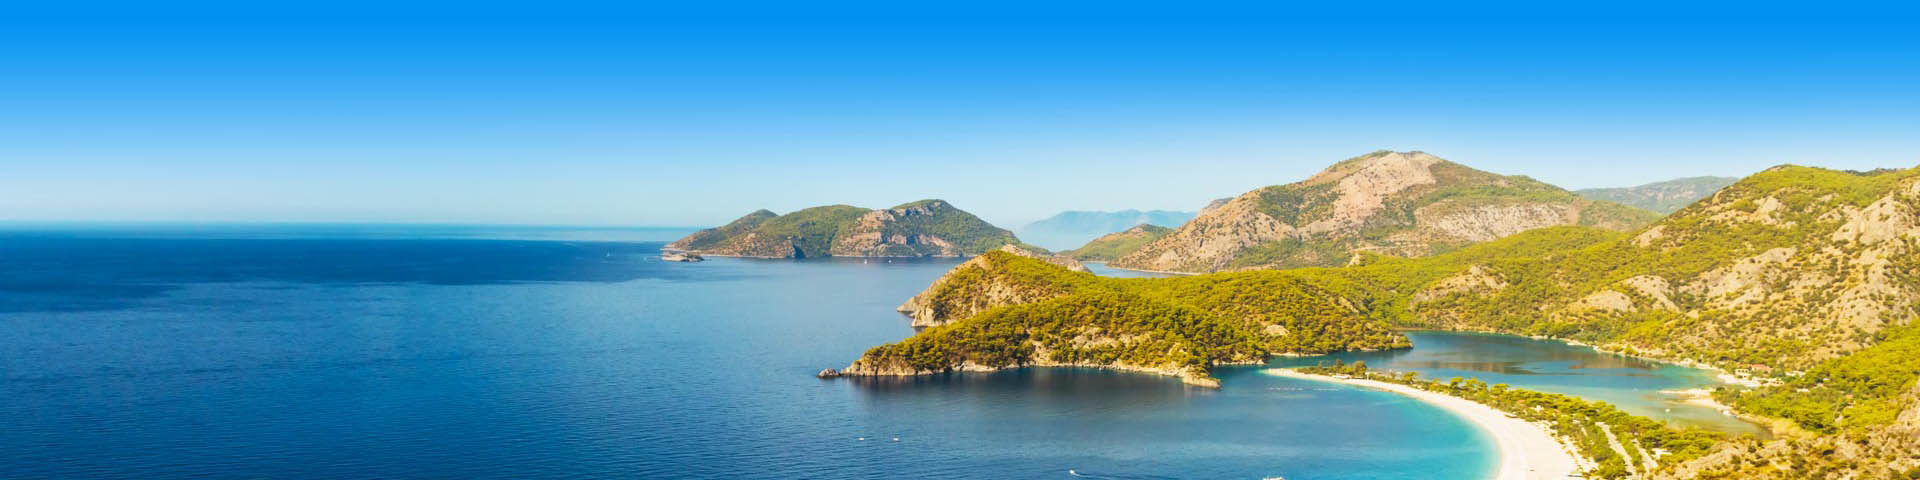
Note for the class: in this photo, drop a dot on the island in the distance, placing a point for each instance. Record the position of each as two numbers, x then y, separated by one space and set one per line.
926 228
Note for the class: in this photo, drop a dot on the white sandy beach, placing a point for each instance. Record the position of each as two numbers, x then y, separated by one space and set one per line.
1527 450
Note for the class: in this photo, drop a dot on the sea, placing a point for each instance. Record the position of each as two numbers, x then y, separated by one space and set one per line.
432 351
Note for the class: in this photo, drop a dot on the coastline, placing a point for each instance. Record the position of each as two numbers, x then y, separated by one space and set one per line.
1164 272
762 257
1527 450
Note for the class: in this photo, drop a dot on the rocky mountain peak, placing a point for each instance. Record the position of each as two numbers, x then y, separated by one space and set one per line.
1397 203
1383 164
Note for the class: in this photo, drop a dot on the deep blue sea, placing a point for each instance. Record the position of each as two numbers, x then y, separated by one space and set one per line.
467 352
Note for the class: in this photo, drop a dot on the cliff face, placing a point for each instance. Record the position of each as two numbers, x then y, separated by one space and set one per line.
1112 246
1399 203
927 228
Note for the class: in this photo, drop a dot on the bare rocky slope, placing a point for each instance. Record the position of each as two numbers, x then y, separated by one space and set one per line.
1397 203
927 228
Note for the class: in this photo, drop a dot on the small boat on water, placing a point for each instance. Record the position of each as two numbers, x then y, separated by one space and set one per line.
678 256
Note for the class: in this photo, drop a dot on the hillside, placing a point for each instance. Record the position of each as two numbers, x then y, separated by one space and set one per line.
1784 269
1071 228
1002 310
917 229
1407 204
1112 246
1660 197
1807 276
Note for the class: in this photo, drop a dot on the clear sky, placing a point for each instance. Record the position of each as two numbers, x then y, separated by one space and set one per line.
594 114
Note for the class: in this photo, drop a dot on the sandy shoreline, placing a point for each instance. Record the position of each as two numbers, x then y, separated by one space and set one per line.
1527 450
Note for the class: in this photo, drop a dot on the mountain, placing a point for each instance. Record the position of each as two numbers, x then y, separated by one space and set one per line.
1660 197
1071 228
1806 278
1114 245
927 228
1407 204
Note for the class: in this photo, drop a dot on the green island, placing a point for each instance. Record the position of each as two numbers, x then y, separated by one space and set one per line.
925 228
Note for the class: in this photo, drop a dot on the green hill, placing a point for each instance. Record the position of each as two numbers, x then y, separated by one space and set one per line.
1112 246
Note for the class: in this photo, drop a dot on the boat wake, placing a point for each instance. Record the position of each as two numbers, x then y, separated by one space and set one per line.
1097 476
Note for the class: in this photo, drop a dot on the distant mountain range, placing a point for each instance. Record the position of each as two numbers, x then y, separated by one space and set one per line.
926 228
1072 228
1661 197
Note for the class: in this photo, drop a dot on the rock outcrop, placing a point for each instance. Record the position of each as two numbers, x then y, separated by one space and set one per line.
1398 203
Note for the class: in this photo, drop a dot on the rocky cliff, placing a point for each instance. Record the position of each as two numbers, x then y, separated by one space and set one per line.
927 228
1397 203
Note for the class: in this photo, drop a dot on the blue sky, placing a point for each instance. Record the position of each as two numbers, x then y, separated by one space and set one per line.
601 114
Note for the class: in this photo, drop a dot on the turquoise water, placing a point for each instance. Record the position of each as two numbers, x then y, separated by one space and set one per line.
248 354
333 354
1636 386
1101 268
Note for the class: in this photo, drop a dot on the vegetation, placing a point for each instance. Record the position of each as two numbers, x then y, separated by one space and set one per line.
711 238
1851 394
1808 276
923 228
1112 246
971 234
810 231
1093 328
1210 319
